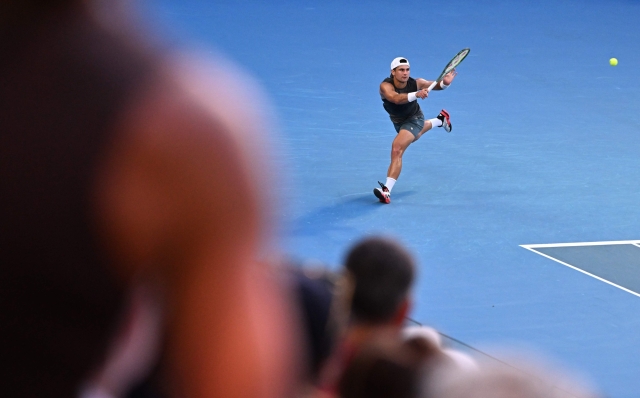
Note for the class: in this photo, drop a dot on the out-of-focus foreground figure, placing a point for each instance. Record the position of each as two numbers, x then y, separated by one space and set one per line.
379 272
123 166
524 377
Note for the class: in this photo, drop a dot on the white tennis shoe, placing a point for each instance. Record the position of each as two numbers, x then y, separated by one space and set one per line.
382 193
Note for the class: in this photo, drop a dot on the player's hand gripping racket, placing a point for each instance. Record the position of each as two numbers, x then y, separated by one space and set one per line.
450 66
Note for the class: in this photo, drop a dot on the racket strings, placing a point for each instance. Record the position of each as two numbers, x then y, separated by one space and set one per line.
454 62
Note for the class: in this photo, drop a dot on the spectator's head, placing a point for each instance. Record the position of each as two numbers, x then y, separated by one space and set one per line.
384 367
382 272
314 290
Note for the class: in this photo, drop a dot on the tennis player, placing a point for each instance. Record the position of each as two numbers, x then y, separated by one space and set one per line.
399 93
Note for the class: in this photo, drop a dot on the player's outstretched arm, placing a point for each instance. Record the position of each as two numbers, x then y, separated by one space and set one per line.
388 92
424 84
446 81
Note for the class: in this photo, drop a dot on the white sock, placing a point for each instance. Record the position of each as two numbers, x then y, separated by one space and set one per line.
390 183
435 122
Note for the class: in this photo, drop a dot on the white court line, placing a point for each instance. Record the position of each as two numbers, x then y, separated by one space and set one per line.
613 242
531 248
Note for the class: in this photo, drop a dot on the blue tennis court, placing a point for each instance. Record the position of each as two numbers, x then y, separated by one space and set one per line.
544 151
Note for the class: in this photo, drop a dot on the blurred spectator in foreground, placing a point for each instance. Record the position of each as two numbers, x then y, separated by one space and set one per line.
455 359
389 367
379 273
314 289
382 273
522 378
124 166
414 369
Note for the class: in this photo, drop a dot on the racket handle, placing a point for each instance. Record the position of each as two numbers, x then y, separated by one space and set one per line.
432 86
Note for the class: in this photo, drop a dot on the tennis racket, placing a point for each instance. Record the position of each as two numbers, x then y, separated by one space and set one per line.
450 66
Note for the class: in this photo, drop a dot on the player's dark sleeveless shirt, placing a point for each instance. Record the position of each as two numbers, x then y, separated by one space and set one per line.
401 112
63 82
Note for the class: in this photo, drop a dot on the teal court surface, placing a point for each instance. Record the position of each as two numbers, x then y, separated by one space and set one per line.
524 220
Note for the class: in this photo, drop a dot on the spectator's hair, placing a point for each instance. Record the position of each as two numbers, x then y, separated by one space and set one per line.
386 367
382 271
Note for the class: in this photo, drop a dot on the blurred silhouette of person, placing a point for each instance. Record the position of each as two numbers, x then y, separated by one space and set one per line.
380 273
523 378
456 359
383 367
315 293
124 165
400 366
416 368
386 366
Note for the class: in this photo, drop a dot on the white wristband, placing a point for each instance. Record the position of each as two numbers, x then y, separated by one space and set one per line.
411 96
442 85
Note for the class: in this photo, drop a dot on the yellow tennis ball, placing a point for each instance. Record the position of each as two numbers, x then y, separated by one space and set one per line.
613 62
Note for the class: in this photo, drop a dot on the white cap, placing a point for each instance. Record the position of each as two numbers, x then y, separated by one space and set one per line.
399 61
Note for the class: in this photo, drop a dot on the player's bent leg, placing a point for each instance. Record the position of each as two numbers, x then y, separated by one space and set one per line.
427 126
399 145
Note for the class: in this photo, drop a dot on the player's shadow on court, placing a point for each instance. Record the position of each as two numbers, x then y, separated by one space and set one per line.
397 197
335 217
